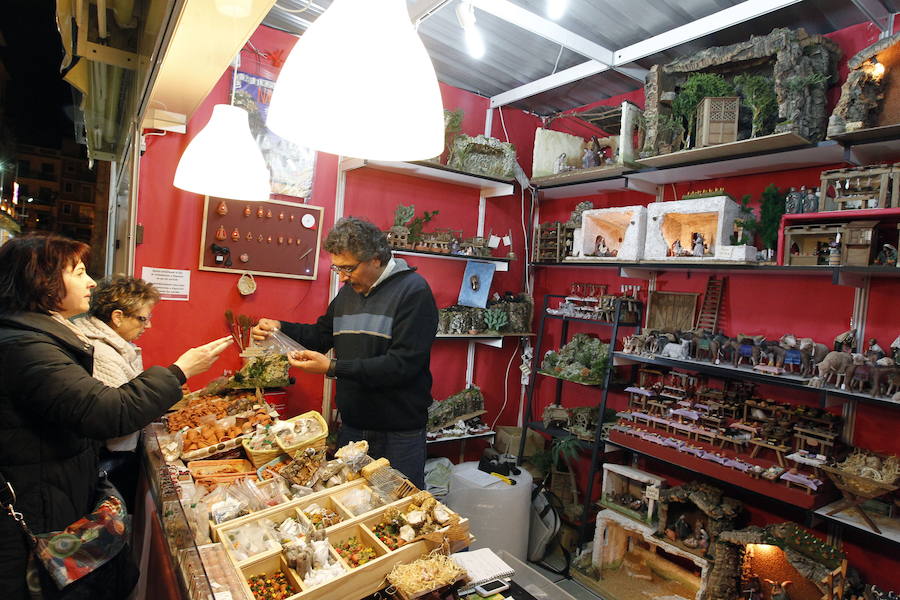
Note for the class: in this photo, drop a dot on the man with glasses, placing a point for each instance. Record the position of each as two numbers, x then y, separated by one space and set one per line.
381 325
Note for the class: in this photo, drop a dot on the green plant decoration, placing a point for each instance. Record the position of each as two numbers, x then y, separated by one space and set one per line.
403 214
416 225
747 220
797 84
697 87
669 130
452 128
565 448
759 94
495 319
770 211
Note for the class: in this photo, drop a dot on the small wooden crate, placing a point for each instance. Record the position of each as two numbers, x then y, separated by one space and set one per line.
717 120
552 241
859 188
355 582
808 239
857 243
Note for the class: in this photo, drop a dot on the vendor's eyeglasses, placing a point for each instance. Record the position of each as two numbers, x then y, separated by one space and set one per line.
347 270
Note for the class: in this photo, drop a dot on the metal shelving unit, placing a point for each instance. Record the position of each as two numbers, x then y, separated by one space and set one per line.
529 423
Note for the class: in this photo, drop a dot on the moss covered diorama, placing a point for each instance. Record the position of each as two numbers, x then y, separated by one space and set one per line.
264 371
584 359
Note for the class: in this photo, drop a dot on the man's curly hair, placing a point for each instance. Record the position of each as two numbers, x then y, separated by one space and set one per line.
360 238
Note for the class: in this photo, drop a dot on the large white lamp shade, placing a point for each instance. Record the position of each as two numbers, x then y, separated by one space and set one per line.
359 83
224 160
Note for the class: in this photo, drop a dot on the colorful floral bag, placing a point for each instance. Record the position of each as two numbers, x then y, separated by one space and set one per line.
84 546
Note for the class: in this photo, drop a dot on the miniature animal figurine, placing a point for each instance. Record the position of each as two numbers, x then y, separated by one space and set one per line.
779 591
746 347
859 373
720 347
678 350
835 364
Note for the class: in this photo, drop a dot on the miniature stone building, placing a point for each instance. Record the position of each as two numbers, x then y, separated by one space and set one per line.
863 93
788 55
677 225
615 233
721 513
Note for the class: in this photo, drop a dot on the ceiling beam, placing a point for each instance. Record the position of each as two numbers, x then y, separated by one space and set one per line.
527 20
586 69
728 17
422 9
875 11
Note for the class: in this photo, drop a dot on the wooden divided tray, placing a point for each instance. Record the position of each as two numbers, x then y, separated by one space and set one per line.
359 581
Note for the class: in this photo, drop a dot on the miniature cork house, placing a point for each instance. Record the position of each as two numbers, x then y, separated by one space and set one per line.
858 187
807 245
717 121
694 230
631 562
614 233
857 243
781 560
626 490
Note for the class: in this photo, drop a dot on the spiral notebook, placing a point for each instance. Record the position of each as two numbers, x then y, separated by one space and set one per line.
482 565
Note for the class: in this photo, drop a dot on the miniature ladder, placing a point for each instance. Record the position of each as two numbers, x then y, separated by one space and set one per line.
708 318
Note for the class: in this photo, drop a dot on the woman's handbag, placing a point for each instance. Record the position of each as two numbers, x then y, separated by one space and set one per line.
74 559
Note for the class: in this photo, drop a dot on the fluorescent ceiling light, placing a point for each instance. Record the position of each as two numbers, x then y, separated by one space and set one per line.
465 14
360 83
556 9
224 160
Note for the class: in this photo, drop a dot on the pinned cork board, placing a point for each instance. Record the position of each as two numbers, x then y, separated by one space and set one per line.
274 238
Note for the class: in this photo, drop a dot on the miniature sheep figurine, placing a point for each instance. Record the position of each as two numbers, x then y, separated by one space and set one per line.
835 363
676 350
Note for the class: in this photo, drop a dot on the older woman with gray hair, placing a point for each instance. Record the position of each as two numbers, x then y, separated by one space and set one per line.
120 312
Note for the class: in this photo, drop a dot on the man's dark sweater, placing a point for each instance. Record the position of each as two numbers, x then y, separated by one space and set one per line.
382 342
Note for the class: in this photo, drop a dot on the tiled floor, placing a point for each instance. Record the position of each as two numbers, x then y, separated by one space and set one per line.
569 585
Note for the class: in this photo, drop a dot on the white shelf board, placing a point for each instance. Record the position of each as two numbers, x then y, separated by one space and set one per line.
889 526
501 265
585 188
488 187
823 153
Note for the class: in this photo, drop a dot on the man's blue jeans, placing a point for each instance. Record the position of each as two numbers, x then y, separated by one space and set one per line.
405 449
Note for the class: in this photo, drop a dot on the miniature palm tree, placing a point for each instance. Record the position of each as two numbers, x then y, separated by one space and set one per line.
495 319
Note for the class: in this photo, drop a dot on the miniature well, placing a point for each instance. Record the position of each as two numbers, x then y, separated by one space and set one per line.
683 226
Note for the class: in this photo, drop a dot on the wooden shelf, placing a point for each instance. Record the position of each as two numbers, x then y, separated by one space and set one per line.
643 269
580 175
479 336
775 490
758 145
489 187
546 374
468 436
502 263
747 374
559 433
747 159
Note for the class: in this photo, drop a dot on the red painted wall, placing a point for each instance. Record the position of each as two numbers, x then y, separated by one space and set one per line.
805 305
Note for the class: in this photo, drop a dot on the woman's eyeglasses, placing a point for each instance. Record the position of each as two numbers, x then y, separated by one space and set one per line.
345 270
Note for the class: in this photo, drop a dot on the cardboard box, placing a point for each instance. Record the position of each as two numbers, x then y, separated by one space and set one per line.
508 439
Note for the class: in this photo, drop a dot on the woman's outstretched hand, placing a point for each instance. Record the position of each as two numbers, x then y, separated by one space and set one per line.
199 359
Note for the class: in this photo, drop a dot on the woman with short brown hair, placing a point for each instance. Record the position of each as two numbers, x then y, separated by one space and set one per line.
53 413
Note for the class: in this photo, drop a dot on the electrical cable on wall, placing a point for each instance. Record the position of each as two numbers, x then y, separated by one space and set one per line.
506 385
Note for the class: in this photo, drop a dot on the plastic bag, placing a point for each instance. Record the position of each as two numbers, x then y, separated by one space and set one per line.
277 343
360 500
252 539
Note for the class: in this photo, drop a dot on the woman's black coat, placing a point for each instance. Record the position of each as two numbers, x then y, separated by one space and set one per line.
53 418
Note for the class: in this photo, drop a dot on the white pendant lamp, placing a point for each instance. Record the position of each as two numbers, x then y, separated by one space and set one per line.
224 160
360 83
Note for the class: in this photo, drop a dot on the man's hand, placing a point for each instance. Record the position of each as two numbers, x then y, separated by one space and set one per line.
309 361
264 328
199 359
